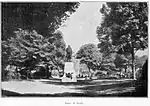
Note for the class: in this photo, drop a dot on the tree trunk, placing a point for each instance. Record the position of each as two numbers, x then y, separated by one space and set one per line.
133 66
133 57
89 72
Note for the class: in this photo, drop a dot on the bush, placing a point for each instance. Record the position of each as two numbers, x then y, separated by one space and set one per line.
138 73
10 75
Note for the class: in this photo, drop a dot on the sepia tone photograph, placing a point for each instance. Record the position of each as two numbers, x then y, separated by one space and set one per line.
74 49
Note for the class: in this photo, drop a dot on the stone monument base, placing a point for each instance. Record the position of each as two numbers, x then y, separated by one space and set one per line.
69 73
64 79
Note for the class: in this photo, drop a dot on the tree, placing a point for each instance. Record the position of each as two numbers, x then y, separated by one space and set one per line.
120 61
30 49
23 48
59 55
68 53
45 18
125 25
89 55
29 35
139 61
108 52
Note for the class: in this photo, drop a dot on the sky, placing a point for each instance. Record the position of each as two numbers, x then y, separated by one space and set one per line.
81 26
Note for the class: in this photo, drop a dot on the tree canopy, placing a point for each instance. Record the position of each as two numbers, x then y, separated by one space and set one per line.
28 49
125 27
30 36
89 55
45 18
125 24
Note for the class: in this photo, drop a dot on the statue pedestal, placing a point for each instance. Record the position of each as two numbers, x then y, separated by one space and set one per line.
64 79
69 73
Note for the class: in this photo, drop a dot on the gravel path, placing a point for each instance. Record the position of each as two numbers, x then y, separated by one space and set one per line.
48 87
28 87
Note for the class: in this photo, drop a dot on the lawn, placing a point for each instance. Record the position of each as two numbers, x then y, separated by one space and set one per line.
94 88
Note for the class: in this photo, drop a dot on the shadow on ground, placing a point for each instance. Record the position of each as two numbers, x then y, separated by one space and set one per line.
93 89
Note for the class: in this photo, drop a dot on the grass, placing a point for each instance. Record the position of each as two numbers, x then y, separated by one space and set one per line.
99 88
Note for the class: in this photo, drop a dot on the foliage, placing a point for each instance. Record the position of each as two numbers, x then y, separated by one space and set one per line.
59 51
125 27
139 61
89 55
120 61
108 52
10 73
30 49
124 22
139 64
29 36
45 18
